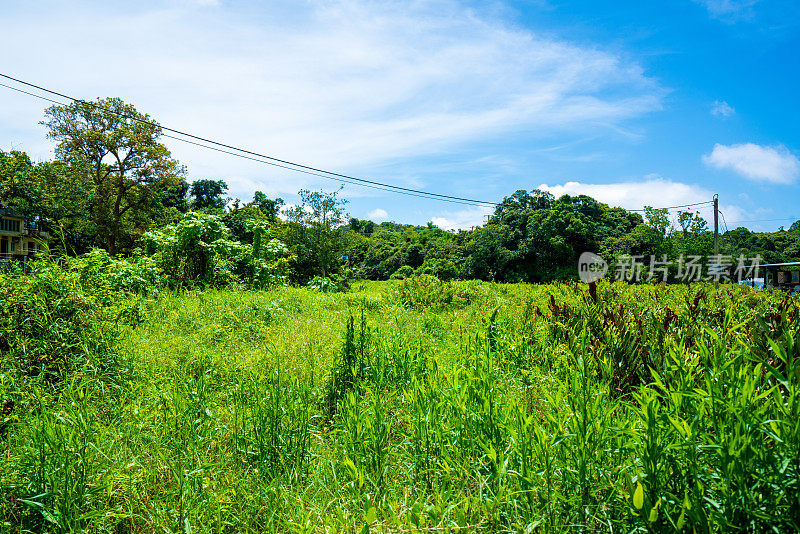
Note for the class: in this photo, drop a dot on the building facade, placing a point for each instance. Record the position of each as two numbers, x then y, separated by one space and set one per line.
17 241
784 276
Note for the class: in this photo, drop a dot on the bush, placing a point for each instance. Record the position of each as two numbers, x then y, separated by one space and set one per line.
198 250
440 268
425 291
402 273
51 325
325 285
140 275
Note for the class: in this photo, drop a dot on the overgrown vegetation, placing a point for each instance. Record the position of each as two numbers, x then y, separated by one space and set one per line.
479 407
172 380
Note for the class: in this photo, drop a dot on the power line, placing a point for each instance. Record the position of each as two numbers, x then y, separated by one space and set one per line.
723 220
767 220
293 165
31 94
681 206
284 164
341 180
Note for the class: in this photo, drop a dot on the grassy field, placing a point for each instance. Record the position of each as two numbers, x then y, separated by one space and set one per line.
416 407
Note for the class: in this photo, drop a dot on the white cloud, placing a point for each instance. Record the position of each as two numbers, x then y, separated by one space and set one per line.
653 191
345 84
722 109
378 214
774 164
462 219
729 10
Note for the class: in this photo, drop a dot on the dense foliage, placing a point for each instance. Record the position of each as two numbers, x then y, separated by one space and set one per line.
113 183
198 250
157 374
416 406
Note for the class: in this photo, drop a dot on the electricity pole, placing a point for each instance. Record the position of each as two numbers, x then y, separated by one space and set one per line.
716 235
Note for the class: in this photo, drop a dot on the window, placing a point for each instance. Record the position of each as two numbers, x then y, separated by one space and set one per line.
9 225
795 277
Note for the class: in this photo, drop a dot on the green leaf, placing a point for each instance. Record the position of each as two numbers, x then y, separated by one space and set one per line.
654 512
638 496
371 515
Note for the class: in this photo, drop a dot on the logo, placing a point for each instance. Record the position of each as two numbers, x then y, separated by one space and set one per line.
591 267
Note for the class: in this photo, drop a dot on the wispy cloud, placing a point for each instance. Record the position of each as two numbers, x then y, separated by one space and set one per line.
345 84
722 109
775 164
729 10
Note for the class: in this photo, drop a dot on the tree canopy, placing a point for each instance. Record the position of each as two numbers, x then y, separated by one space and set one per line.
127 165
112 181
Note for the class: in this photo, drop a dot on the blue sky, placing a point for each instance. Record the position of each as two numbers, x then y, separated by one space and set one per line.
634 103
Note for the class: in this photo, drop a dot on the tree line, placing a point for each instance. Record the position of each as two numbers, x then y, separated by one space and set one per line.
114 185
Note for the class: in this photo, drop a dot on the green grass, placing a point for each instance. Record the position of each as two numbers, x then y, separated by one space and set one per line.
486 407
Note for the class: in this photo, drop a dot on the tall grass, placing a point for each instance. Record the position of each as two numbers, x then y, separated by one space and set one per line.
493 408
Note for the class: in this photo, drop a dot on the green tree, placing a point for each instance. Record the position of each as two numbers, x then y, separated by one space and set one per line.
269 207
694 238
440 268
174 195
125 162
315 236
208 195
239 219
491 253
52 197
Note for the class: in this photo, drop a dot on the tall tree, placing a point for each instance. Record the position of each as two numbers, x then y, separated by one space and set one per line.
51 196
127 165
208 195
174 196
694 237
315 235
268 206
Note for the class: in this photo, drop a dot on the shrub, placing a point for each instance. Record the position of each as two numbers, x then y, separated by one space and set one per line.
198 250
440 268
51 325
325 285
100 271
425 291
269 257
402 273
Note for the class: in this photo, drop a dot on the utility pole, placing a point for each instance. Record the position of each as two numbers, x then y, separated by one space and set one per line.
716 235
